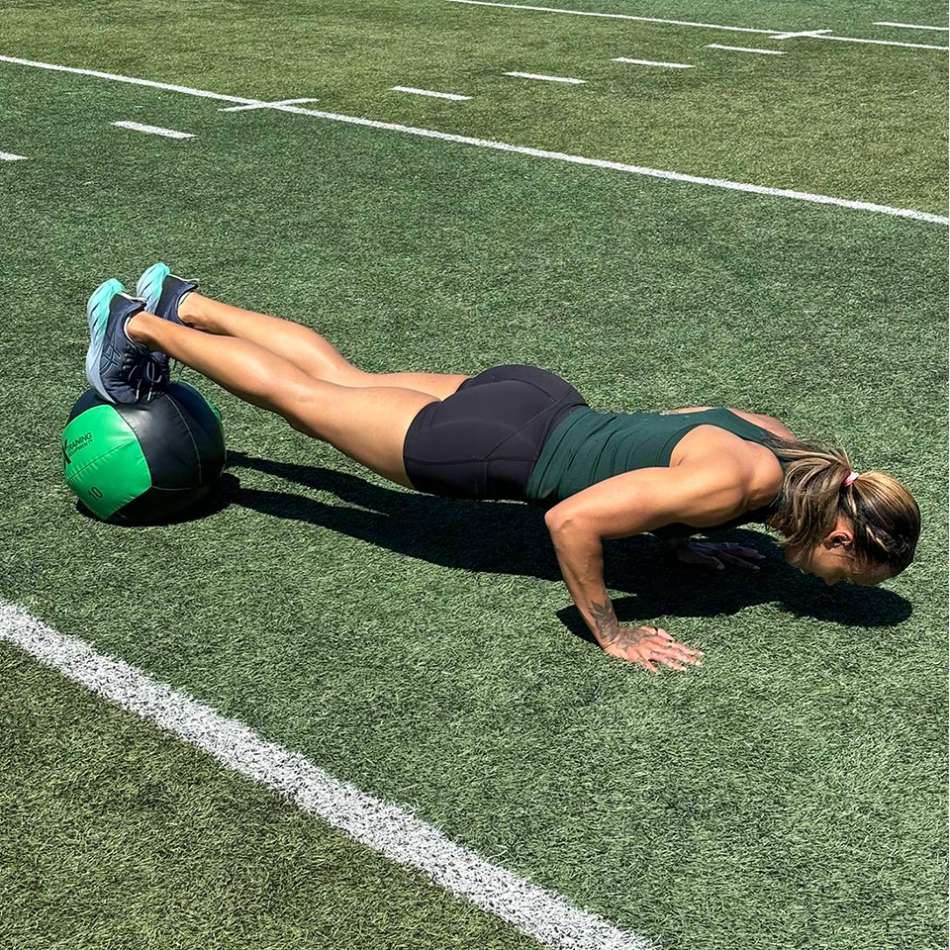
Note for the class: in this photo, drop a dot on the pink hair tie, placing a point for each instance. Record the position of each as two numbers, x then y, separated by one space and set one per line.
851 477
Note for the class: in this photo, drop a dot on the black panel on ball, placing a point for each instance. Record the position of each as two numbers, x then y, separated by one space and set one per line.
86 401
205 429
157 506
172 429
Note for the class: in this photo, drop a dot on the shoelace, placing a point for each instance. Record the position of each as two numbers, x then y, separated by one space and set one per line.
152 377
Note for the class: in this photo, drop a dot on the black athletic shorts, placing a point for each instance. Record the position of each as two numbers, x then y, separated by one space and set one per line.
483 440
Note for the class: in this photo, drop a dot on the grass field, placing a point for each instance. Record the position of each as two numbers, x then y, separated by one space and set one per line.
792 792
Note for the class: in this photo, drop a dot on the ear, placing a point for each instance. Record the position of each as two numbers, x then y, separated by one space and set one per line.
840 538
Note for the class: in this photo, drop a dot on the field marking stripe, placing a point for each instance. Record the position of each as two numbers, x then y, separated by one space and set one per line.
746 49
613 16
153 130
567 79
387 829
524 150
266 105
706 26
861 39
115 77
911 26
413 90
651 62
10 157
799 34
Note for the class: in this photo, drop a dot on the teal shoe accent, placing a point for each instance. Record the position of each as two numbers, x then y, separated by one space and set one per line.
149 285
117 367
163 291
97 316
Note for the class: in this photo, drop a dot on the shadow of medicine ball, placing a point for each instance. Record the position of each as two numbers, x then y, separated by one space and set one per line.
144 462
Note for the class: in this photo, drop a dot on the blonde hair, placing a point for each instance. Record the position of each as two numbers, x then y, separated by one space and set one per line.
884 515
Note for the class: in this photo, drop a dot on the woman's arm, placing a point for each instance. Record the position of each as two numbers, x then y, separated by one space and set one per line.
632 503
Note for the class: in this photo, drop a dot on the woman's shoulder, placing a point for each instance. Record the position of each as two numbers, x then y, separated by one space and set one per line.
760 419
763 421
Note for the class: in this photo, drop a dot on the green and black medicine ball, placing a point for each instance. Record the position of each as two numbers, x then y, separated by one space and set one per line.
143 462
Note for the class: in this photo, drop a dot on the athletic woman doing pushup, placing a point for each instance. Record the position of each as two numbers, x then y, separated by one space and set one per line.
520 432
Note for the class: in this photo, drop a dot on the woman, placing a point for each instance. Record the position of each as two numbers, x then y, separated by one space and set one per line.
520 432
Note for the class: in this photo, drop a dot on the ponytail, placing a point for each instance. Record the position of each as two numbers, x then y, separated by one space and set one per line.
820 485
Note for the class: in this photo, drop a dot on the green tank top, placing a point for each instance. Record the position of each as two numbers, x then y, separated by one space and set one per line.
586 447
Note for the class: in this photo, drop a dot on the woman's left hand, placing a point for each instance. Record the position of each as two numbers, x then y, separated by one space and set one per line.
717 554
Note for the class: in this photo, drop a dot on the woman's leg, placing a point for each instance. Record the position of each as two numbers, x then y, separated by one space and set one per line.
303 347
368 424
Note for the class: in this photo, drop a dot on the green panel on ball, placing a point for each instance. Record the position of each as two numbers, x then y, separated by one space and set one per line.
103 461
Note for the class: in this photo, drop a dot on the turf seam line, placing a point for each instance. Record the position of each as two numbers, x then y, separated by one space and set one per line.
387 829
506 147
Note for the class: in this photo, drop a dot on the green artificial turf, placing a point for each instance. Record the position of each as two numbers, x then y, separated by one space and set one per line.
792 792
855 121
115 836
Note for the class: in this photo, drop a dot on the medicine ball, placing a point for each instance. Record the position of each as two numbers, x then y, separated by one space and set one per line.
143 462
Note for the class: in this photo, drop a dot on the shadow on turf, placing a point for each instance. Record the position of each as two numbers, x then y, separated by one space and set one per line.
511 538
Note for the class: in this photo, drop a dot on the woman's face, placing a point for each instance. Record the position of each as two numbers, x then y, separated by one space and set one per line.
833 561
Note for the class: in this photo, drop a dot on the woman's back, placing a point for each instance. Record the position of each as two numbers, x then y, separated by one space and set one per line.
587 446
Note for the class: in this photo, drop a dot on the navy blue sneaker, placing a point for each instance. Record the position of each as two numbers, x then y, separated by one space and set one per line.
118 368
162 291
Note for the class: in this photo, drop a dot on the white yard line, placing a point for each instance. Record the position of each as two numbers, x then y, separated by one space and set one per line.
650 62
514 149
387 829
912 26
777 34
115 77
454 96
541 76
798 35
10 157
153 130
267 105
747 49
612 16
857 39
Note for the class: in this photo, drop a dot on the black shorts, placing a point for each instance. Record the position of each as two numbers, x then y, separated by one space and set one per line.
483 440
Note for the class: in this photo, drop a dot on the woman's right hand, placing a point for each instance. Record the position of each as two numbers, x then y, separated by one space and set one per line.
648 646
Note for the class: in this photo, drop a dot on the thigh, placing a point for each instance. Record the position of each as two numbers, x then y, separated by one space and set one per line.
368 424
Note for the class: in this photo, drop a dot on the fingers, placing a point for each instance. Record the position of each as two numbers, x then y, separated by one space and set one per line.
658 649
682 652
671 658
738 561
742 551
673 648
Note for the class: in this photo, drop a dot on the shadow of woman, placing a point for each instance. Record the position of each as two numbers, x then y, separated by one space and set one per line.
511 538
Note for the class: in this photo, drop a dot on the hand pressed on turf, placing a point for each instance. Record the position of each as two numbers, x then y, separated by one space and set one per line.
649 646
717 554
644 645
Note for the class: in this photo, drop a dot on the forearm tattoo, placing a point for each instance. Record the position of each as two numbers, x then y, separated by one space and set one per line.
608 627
